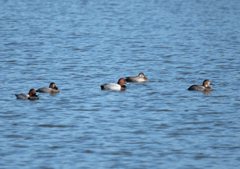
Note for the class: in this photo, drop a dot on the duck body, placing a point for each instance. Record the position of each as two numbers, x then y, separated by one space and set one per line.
47 90
23 96
197 87
139 79
111 86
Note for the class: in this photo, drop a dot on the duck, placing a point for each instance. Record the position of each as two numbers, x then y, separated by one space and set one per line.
113 86
140 78
30 96
203 87
51 89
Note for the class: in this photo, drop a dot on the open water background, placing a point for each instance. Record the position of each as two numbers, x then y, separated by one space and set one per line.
81 44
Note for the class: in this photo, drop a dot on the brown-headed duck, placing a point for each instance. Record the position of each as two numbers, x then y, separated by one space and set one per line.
30 96
113 86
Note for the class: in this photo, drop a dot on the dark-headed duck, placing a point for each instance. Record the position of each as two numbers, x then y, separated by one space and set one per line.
51 89
203 87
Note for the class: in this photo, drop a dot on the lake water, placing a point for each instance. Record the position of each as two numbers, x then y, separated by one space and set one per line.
158 124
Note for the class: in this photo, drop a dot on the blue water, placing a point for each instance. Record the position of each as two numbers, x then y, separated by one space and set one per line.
157 124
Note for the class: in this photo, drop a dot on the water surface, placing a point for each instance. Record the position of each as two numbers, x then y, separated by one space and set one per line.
158 124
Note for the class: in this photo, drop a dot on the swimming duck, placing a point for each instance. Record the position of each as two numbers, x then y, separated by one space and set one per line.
51 89
140 78
31 95
113 86
203 87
